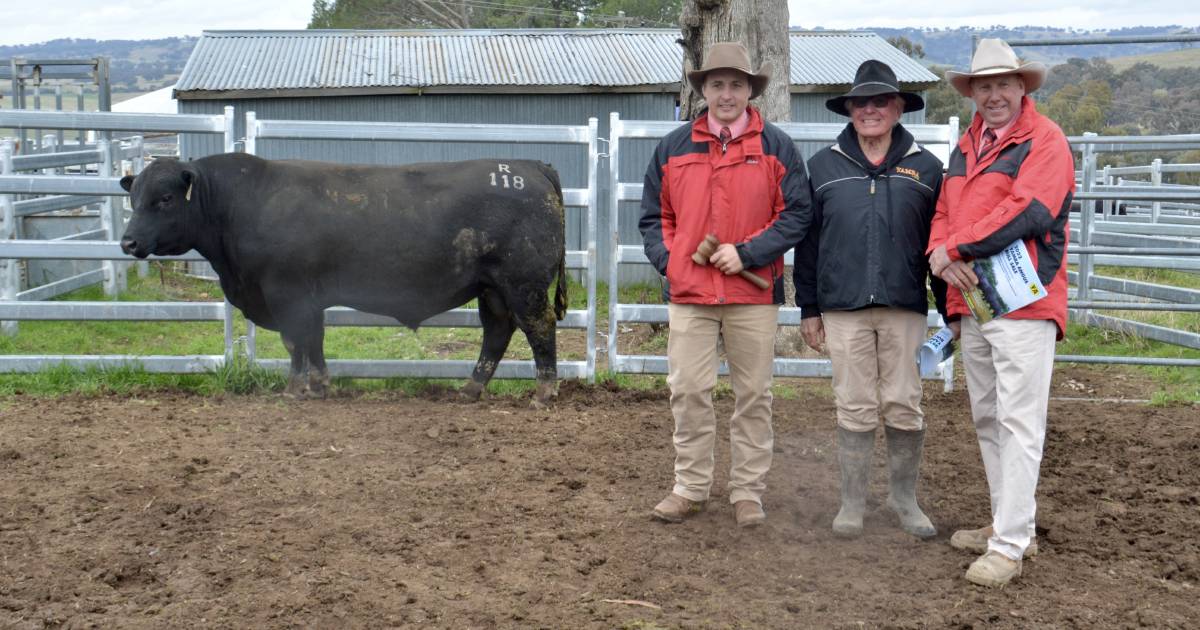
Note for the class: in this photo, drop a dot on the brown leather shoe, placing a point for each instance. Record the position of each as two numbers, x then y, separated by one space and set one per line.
976 540
748 514
675 508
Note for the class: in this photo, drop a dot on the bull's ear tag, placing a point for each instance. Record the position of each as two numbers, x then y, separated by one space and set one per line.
187 196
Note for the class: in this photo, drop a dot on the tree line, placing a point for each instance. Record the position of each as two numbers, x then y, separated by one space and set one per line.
494 13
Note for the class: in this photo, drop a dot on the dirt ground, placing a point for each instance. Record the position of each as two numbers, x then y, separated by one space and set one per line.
174 510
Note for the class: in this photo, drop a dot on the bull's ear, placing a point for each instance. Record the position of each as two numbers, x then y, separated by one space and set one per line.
188 178
127 183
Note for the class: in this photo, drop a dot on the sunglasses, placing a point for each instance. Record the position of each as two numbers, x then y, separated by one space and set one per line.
878 102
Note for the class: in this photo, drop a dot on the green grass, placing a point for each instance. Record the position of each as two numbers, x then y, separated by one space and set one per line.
165 283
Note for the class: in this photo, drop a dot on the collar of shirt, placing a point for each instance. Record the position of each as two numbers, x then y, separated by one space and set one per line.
1001 132
736 128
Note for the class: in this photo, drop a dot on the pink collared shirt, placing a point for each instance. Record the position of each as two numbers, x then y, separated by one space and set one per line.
737 128
1000 133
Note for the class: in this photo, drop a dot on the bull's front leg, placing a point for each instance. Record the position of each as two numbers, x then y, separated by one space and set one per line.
296 385
318 372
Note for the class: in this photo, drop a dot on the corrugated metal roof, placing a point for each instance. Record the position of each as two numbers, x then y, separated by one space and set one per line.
415 59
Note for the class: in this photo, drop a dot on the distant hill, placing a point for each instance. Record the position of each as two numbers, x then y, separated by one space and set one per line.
134 66
952 47
1186 58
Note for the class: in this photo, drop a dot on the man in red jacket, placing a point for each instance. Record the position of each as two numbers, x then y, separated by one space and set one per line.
1011 178
733 175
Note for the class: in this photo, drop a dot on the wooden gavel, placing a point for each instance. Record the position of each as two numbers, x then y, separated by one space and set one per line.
705 250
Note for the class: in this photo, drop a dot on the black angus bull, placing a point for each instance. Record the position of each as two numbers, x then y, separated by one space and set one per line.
290 238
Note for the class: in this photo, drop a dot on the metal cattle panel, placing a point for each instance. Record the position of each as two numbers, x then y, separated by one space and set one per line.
585 136
622 130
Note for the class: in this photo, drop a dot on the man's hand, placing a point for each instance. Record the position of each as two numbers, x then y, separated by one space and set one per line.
939 260
813 331
959 275
726 259
955 327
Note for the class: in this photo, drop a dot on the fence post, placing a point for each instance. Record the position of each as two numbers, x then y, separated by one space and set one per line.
592 210
1086 210
614 236
251 143
112 224
1155 180
137 163
230 129
10 278
1108 203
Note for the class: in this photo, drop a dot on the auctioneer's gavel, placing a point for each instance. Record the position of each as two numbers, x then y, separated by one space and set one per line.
705 250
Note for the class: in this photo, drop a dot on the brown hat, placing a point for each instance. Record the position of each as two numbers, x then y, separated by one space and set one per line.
995 57
729 56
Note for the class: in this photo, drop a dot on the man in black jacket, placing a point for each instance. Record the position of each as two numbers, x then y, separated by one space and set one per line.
860 283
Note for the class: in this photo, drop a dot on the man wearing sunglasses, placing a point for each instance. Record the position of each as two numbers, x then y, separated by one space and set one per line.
860 283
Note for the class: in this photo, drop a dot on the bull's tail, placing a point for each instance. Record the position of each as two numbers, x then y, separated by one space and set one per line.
560 290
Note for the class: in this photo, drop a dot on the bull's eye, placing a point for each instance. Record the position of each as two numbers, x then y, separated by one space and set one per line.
165 199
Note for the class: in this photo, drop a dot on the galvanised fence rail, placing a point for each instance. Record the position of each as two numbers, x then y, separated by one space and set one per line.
927 134
1108 293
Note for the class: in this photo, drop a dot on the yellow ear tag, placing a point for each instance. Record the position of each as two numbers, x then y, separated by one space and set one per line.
188 195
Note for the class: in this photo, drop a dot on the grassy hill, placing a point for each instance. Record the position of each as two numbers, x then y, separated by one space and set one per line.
1186 58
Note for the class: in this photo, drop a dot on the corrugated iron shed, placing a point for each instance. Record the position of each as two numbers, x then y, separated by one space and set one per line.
345 62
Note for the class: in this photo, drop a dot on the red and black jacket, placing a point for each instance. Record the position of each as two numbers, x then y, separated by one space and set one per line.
753 193
1020 189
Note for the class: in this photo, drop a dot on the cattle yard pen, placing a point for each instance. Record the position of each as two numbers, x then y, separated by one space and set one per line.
12 308
1108 240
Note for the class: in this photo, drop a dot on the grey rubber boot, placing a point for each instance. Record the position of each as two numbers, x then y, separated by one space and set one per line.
854 457
904 466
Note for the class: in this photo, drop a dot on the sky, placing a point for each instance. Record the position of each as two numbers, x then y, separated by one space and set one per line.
27 21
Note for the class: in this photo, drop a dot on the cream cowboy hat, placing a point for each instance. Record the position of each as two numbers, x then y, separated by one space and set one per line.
995 57
730 56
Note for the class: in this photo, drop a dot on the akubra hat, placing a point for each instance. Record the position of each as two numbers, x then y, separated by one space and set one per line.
729 56
873 78
995 57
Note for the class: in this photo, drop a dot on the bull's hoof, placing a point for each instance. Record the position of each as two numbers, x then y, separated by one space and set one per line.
546 391
471 391
296 388
318 386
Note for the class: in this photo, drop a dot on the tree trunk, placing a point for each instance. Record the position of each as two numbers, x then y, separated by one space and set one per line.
759 24
762 26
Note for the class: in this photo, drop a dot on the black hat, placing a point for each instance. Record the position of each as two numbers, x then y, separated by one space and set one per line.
873 78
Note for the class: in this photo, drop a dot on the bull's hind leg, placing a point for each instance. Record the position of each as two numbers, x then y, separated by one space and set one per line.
498 328
535 317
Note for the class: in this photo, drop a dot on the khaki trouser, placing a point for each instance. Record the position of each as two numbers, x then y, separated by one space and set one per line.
875 369
749 334
1008 365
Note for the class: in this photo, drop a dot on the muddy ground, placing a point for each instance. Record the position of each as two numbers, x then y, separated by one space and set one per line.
174 510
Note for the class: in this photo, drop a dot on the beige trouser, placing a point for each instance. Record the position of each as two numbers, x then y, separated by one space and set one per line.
1008 365
749 334
874 354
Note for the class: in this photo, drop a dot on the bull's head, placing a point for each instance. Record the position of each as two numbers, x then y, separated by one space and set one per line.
163 210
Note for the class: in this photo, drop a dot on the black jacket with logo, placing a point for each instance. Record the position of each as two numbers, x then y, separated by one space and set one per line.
870 228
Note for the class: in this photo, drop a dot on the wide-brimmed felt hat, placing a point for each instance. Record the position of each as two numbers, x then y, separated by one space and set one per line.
873 78
995 57
730 56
